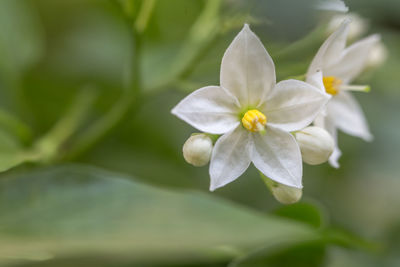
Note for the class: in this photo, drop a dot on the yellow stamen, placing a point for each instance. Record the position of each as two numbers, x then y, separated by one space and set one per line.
332 84
254 121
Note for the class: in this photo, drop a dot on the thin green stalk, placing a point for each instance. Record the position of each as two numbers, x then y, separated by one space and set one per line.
202 33
48 147
15 126
127 100
144 15
268 182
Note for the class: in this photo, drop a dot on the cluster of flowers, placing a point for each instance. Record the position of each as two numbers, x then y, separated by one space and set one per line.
251 118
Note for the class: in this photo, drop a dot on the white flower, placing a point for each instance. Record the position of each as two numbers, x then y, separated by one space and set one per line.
358 26
253 114
339 66
197 149
316 144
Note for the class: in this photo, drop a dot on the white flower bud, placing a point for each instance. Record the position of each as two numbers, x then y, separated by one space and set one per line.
377 55
357 27
316 144
197 149
286 194
283 193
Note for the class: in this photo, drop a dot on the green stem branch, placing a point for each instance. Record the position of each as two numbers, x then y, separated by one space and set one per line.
128 99
48 147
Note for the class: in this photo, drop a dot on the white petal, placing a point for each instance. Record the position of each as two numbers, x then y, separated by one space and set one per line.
328 124
277 155
247 69
293 105
316 80
353 60
348 116
330 51
334 158
230 157
209 109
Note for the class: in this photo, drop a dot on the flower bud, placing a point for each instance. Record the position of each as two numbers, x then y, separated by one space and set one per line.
357 27
286 194
377 55
197 149
316 145
282 193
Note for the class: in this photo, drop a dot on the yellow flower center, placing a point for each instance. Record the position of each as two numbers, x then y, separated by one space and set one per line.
254 121
332 84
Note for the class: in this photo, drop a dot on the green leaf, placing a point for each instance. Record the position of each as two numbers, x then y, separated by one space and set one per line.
79 212
14 126
11 152
308 254
303 212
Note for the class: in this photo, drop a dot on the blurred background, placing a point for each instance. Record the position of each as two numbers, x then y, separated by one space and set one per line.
93 172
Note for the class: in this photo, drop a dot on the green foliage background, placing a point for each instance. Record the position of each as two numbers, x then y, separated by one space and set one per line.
93 173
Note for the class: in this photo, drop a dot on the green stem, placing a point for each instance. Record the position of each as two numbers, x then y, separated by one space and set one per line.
268 182
15 126
48 147
144 15
297 49
202 33
127 100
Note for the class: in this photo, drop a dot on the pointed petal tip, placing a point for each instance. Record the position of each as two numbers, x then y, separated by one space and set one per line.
334 163
246 28
173 111
212 189
368 137
214 186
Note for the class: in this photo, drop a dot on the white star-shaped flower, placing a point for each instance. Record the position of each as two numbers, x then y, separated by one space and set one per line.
253 114
339 66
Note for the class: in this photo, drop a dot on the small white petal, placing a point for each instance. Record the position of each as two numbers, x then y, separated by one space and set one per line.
316 80
348 116
330 51
334 158
326 122
353 60
209 109
293 105
247 69
230 157
277 155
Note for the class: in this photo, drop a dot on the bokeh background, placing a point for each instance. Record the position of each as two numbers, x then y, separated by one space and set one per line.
93 169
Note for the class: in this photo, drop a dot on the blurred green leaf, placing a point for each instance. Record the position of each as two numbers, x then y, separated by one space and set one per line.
78 211
303 212
309 254
14 126
11 152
